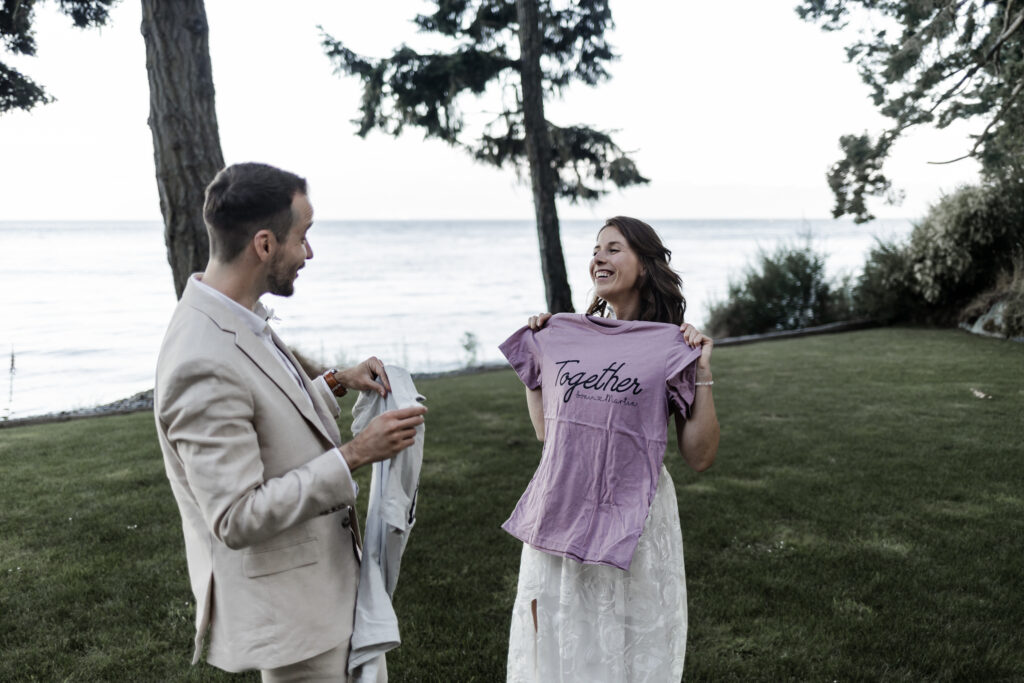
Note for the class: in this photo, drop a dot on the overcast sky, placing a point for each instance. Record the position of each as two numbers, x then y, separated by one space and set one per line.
733 109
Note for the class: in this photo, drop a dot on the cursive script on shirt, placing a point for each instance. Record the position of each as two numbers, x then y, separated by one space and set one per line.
607 380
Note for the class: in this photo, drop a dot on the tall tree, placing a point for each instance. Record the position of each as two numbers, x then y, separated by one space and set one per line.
533 49
186 142
930 62
183 120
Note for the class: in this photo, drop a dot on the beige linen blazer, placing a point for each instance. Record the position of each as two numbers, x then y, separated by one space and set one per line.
267 512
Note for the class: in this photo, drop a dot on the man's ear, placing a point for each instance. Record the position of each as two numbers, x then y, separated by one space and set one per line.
263 243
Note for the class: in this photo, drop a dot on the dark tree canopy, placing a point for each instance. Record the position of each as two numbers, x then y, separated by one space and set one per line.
423 89
930 62
532 49
17 91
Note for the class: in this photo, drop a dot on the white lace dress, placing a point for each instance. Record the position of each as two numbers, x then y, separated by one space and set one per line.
597 623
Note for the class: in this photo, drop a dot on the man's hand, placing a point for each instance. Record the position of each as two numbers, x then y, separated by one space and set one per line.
363 376
386 436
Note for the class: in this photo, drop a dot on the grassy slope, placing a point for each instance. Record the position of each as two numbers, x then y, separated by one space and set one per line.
865 520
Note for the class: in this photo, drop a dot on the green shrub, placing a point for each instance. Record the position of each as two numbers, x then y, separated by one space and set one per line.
949 269
951 265
885 288
788 291
963 244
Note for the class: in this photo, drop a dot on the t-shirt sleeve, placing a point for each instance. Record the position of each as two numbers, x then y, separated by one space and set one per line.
523 355
680 374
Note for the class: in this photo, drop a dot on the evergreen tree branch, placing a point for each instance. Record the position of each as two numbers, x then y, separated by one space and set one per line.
19 92
951 61
984 134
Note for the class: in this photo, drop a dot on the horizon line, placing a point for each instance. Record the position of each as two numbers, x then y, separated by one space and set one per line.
463 219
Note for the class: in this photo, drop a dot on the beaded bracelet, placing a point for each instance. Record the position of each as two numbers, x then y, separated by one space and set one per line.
704 384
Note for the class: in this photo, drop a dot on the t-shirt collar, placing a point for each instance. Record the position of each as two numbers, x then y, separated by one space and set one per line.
607 325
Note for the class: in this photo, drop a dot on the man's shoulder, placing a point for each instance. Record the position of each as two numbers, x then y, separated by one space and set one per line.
193 334
194 350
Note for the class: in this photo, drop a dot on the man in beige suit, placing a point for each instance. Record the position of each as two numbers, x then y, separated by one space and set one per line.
252 449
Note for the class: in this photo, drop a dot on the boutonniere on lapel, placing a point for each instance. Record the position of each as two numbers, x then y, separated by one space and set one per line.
268 313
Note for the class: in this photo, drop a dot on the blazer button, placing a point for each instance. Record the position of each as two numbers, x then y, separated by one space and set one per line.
345 522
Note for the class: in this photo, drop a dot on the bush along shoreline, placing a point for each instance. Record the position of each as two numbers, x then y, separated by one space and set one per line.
786 290
962 265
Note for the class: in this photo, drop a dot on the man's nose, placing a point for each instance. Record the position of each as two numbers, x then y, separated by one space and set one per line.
309 250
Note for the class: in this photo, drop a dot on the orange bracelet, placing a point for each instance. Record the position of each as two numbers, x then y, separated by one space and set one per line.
333 384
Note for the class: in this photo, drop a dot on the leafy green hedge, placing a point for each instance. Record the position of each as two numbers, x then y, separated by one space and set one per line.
788 291
966 254
962 253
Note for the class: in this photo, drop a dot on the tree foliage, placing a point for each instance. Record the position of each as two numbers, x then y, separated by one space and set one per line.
532 50
424 90
930 62
18 91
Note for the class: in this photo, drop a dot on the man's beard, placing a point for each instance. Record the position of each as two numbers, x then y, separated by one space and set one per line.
280 281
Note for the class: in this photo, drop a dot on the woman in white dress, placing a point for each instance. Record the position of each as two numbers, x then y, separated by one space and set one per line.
589 622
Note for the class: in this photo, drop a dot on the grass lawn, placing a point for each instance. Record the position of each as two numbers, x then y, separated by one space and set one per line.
864 521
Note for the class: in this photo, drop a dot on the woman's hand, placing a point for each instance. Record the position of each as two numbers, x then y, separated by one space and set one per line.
695 338
538 321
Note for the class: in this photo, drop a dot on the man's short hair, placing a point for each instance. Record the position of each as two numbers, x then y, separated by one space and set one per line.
243 199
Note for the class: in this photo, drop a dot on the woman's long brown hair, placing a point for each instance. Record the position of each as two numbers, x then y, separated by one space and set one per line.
661 288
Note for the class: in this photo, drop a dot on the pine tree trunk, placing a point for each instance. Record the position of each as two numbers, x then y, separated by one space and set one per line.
182 118
538 151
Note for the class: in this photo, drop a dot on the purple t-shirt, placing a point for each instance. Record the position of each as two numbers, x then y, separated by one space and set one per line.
607 385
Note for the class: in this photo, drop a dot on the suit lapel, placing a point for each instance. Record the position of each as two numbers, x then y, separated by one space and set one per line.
253 347
326 420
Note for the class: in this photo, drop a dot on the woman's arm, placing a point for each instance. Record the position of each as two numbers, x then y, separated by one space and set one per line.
535 402
698 436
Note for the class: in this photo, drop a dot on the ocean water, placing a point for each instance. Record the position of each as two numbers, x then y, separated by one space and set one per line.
85 304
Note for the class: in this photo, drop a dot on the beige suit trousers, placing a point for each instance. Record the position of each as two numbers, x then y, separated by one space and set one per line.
330 666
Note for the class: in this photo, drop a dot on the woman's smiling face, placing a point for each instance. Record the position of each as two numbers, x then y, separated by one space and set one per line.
615 268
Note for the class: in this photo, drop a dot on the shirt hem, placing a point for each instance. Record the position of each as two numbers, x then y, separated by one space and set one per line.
570 552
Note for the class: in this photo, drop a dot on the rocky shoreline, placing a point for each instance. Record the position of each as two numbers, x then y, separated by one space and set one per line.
133 404
144 401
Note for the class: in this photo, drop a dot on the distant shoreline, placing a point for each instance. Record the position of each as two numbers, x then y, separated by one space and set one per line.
144 399
388 308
